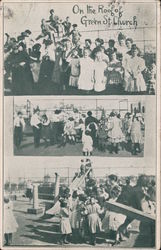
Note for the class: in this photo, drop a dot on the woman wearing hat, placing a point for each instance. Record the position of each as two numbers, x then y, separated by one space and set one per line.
10 224
134 68
22 79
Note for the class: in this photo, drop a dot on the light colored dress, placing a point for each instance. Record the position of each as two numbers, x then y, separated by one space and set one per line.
10 224
133 74
94 221
87 143
99 76
85 81
136 133
69 128
75 215
64 222
75 72
115 134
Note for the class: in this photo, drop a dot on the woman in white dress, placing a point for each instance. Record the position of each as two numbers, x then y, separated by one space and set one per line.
99 72
134 67
85 81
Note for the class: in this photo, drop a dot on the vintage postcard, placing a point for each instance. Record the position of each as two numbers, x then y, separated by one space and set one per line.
49 46
80 124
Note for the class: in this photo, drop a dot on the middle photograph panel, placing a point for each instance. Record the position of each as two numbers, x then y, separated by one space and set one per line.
103 126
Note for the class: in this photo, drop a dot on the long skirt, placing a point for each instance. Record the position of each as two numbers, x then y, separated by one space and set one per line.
10 223
22 80
35 69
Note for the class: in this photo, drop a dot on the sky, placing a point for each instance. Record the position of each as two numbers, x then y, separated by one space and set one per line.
112 102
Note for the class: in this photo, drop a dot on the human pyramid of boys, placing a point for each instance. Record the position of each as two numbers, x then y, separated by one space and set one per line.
111 132
59 56
83 212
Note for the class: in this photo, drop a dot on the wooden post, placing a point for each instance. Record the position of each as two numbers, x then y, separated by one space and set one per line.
57 185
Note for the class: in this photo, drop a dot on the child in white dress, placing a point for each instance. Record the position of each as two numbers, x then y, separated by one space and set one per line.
10 224
65 226
87 143
99 72
85 81
69 130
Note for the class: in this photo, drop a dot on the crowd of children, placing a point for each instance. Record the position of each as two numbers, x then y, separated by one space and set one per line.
83 214
111 132
59 56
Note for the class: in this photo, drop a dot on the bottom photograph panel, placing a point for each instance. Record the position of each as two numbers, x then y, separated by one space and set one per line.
79 203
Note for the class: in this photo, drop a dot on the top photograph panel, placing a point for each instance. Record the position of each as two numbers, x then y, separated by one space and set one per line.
79 48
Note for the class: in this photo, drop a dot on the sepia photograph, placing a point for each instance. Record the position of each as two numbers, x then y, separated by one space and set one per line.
98 127
80 124
50 52
80 202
